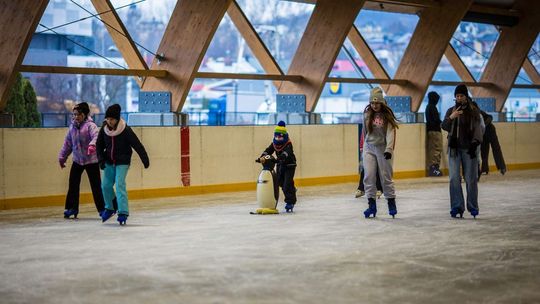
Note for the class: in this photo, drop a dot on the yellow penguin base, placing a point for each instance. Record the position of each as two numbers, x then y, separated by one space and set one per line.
267 211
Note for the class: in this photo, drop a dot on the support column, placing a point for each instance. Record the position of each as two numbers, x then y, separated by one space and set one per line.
120 36
510 52
184 44
429 41
367 55
328 26
18 21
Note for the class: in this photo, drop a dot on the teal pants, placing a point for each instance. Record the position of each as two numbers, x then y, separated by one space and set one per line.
115 175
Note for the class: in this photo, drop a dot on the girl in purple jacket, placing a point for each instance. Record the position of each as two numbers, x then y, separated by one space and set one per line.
81 142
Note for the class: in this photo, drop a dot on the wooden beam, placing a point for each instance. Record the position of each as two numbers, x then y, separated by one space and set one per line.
426 48
458 65
254 42
381 81
510 52
325 33
531 71
467 83
492 10
274 77
91 71
18 21
120 36
373 64
188 34
526 86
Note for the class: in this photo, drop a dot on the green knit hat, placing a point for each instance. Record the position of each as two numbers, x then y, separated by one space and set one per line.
280 128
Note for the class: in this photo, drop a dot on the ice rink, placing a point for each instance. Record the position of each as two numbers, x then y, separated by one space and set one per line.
209 249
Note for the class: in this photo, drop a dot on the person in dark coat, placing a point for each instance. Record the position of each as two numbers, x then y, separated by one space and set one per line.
490 138
465 128
434 135
114 149
286 167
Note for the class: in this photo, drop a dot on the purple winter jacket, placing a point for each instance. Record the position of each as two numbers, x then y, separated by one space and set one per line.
77 140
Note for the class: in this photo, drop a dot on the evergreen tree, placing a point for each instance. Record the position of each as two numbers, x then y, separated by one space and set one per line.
15 104
33 118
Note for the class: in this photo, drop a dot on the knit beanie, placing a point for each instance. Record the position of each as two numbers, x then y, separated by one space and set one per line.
83 108
281 130
461 89
376 95
433 97
113 111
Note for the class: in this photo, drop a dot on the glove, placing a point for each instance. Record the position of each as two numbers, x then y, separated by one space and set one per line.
91 150
387 155
62 163
102 165
472 150
261 160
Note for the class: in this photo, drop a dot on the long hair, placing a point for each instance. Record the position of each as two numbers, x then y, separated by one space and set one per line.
387 113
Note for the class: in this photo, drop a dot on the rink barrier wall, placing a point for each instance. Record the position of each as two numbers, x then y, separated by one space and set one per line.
222 159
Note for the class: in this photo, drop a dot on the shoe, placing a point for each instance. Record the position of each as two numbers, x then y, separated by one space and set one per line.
434 171
359 193
122 218
372 209
392 209
69 212
379 194
289 207
454 213
106 214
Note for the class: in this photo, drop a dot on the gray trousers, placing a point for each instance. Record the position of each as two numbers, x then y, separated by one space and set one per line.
374 157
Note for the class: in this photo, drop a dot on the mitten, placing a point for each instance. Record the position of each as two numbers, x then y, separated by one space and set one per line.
472 150
91 150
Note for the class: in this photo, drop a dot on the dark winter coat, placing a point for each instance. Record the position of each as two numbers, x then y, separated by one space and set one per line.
433 119
285 155
466 130
117 149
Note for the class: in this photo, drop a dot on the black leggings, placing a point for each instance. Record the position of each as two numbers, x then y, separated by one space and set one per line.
92 170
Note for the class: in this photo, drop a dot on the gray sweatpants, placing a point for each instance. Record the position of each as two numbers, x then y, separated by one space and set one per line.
374 157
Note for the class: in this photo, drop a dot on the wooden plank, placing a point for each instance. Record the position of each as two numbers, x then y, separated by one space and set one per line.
426 48
188 34
381 81
325 33
458 65
373 64
18 21
510 52
274 77
254 42
120 36
531 71
91 71
526 86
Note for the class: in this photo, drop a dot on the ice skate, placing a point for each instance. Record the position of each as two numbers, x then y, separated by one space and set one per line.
434 171
372 209
392 209
359 193
474 213
69 212
122 218
289 207
455 212
106 214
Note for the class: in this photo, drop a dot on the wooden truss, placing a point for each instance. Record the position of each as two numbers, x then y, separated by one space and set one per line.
193 24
